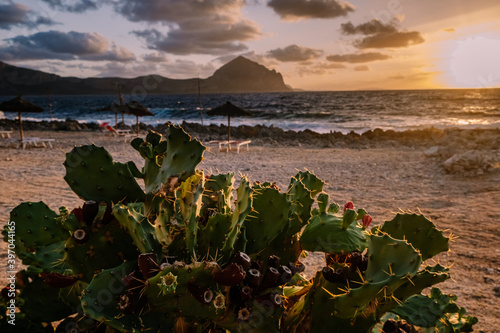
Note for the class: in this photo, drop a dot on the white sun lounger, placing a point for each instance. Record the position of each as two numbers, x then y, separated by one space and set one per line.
35 142
29 141
5 134
228 144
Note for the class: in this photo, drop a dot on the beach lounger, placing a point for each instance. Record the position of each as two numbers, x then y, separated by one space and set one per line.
35 142
219 143
29 141
5 134
237 143
108 129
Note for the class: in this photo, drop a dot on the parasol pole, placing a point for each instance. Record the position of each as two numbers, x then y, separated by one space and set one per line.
228 129
122 102
21 126
199 100
137 118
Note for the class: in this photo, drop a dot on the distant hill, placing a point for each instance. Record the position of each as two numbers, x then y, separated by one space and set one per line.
238 75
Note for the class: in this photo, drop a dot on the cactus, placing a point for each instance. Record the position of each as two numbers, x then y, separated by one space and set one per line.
188 201
103 247
181 158
419 231
212 236
101 302
92 175
42 303
326 233
218 194
189 254
139 228
35 227
236 237
269 218
436 310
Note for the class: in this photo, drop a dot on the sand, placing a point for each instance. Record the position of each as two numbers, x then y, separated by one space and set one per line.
382 178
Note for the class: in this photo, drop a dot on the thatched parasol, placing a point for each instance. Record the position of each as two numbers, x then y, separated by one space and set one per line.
229 110
19 105
115 108
137 109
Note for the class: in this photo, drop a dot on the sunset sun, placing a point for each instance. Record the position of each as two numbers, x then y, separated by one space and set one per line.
473 62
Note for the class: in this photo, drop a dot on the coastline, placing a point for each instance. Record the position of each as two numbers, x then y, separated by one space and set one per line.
381 171
272 135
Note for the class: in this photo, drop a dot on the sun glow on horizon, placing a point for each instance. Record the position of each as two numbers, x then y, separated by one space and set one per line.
472 62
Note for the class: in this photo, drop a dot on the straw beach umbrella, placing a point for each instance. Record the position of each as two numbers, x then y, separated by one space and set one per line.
115 108
19 105
229 110
137 109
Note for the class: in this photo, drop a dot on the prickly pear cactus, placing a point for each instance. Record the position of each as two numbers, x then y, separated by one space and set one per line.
92 175
192 253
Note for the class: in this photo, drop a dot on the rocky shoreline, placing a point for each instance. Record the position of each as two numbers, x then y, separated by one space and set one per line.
270 135
459 151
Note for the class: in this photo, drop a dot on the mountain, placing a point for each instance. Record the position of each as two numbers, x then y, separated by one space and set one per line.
238 75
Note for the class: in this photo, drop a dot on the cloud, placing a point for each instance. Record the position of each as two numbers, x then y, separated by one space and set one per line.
155 57
320 68
295 53
78 6
361 68
355 58
391 40
414 76
372 27
449 29
63 46
295 10
381 35
18 15
194 27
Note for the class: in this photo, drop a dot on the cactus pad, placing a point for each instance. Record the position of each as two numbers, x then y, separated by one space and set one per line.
418 231
92 175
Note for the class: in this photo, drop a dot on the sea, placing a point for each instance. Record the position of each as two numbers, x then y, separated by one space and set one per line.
322 112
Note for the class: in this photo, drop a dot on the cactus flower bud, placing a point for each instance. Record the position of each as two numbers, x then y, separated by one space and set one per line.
348 205
367 219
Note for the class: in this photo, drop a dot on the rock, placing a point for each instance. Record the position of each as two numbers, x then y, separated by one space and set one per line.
432 152
497 291
471 160
488 280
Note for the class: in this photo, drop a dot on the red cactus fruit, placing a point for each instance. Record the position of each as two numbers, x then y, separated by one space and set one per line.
366 220
202 294
348 205
147 265
230 276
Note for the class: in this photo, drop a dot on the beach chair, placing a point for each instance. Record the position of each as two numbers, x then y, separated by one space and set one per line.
238 144
219 143
107 129
5 134
224 143
29 141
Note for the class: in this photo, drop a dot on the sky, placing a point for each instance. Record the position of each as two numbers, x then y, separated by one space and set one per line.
314 44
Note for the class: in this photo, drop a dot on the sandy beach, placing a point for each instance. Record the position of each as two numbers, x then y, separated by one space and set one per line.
382 176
